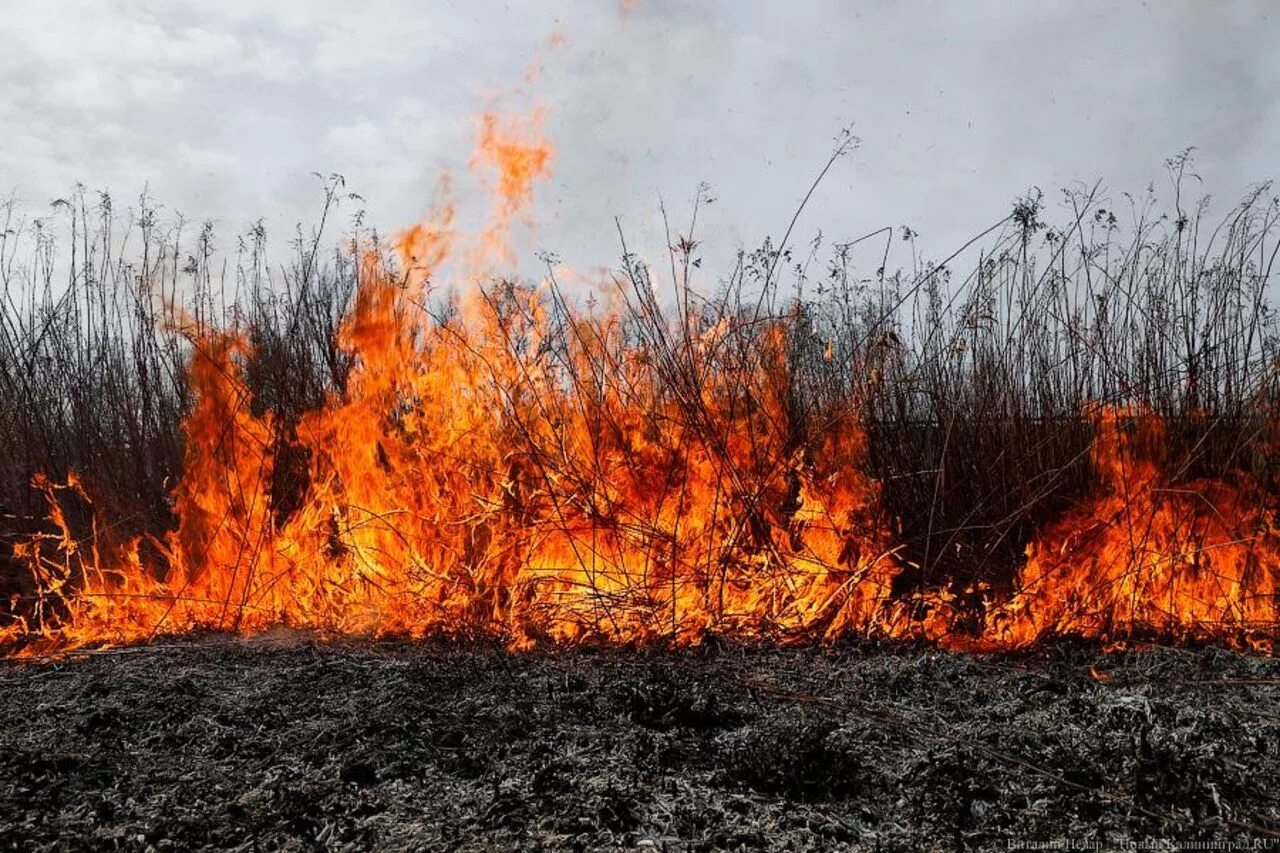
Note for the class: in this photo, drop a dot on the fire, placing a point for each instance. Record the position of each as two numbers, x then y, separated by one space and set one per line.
1148 556
473 480
517 154
527 471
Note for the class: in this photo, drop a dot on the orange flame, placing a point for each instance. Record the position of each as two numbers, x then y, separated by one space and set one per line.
467 483
461 486
526 471
1200 559
519 157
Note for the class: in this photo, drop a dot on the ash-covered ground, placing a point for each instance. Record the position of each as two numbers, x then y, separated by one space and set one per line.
289 743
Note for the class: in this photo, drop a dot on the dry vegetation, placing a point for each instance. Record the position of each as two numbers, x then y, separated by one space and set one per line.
970 382
972 385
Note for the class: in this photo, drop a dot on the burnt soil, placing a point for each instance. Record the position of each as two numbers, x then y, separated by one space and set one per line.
286 742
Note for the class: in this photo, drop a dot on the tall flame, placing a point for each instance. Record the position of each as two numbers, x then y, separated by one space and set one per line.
526 471
466 482
1193 559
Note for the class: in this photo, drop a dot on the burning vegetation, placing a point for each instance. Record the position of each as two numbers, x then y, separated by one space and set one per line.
1076 439
354 492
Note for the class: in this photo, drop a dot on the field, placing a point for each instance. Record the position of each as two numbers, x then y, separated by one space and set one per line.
283 742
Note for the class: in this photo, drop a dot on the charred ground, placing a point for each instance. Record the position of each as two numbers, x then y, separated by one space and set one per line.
290 743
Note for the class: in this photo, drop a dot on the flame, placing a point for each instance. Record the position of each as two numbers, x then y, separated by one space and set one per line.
464 486
466 482
1193 560
527 471
518 157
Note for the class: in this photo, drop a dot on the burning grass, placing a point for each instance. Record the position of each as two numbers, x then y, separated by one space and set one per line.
1077 438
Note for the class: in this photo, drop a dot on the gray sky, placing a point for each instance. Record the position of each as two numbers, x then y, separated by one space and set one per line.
226 108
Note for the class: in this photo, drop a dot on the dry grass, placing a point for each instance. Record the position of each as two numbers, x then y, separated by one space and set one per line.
970 381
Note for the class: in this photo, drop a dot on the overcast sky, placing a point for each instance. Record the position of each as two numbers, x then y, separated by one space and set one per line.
224 109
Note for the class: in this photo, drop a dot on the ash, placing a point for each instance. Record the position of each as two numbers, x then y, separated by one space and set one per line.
288 742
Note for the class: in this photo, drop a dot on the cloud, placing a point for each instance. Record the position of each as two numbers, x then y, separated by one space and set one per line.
357 137
226 108
211 161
